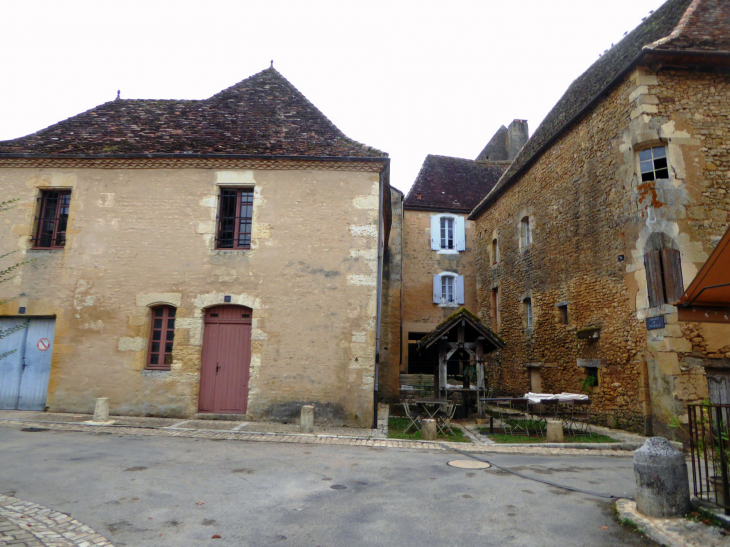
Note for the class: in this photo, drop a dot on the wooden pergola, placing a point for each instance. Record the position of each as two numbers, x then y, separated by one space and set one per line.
461 331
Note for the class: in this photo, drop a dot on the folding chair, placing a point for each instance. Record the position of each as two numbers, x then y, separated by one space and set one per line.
444 418
413 417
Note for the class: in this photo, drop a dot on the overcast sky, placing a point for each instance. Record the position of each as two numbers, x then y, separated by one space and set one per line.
409 78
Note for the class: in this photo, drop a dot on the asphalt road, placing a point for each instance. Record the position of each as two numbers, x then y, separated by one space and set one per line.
158 491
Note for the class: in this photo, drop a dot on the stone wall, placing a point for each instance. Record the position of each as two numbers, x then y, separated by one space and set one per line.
590 217
142 237
420 263
390 323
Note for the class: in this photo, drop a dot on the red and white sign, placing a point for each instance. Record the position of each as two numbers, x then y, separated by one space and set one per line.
44 344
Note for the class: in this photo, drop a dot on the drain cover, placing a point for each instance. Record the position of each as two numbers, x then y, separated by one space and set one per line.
469 464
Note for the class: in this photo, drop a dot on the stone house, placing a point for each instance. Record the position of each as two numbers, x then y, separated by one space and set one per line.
219 256
437 248
605 217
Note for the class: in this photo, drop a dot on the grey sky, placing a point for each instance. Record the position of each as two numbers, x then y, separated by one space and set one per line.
409 78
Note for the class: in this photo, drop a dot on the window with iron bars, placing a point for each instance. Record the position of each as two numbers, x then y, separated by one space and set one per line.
52 219
235 213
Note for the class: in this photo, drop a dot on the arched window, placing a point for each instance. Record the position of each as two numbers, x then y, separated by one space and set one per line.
162 334
663 265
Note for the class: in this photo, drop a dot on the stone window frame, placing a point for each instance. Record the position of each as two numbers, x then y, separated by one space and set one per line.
592 367
494 249
529 317
495 315
526 243
562 310
168 313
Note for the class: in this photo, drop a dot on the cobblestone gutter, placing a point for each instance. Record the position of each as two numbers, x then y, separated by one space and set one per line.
25 524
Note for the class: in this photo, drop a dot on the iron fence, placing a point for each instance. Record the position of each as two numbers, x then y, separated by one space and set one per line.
709 441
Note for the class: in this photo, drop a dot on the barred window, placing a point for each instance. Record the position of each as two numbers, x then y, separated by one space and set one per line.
235 214
162 335
52 219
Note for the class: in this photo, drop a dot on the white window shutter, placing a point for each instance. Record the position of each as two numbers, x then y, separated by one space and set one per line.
459 289
437 289
459 234
435 233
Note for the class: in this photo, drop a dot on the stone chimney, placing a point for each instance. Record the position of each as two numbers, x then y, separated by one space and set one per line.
506 142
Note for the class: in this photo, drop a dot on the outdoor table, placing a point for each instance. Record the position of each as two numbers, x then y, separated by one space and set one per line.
431 408
504 405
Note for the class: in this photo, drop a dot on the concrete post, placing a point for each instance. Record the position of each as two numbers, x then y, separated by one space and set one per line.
101 411
428 430
662 485
306 423
554 431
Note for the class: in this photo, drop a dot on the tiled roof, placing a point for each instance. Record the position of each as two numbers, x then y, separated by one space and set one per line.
262 115
678 25
452 183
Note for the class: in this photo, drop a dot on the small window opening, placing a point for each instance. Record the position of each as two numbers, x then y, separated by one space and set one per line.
418 196
447 233
495 309
525 235
563 311
653 164
527 303
495 259
592 372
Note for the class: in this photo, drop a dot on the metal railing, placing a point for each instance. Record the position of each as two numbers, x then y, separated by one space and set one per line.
709 441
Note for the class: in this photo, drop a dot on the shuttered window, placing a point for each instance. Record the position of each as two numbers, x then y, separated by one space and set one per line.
663 276
448 289
235 215
162 335
447 233
52 219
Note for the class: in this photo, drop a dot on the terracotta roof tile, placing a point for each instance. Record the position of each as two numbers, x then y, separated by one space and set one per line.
262 115
453 183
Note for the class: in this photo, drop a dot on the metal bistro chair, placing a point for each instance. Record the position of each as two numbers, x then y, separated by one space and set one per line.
445 415
413 417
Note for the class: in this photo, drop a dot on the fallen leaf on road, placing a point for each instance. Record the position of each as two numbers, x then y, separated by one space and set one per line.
201 503
135 499
215 536
120 499
149 518
603 527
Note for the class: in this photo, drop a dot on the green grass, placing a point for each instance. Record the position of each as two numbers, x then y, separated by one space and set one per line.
397 425
503 438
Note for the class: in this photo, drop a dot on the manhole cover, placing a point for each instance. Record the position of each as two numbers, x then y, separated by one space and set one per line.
338 487
469 464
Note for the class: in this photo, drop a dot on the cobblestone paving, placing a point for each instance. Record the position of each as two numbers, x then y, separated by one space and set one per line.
25 524
677 532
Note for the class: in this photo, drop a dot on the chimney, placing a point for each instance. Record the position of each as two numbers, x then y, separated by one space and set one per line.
517 135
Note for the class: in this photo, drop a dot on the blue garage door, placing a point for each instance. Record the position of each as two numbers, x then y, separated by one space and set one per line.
25 362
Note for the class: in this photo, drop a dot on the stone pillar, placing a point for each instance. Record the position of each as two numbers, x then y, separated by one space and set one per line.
428 430
662 485
554 431
101 411
306 424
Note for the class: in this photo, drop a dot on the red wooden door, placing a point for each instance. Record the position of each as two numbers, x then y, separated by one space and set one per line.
226 359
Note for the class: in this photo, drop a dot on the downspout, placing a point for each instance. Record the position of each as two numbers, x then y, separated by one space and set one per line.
379 284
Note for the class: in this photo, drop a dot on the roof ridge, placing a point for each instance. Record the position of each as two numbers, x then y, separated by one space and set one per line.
678 28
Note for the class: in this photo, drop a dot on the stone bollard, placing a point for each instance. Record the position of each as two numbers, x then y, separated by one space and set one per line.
101 411
554 432
428 430
306 423
662 486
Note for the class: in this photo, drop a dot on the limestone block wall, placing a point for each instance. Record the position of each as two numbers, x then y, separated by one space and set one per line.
143 237
591 217
390 330
420 263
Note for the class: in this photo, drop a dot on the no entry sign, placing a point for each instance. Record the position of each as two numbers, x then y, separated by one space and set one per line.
44 344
